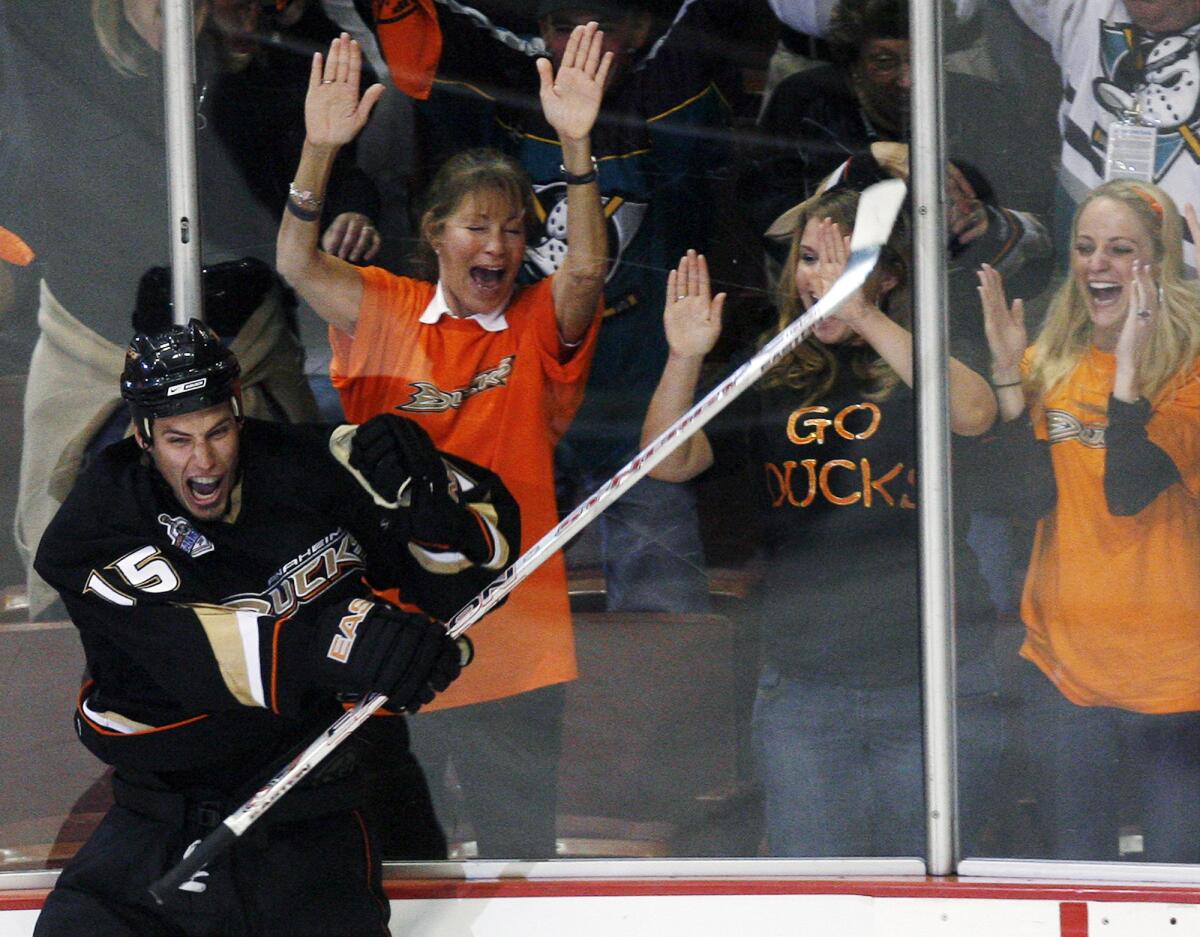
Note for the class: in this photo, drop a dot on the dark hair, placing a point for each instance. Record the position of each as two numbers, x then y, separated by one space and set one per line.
856 21
595 8
465 173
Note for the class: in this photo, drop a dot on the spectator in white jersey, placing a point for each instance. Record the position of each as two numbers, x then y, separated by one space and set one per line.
1124 60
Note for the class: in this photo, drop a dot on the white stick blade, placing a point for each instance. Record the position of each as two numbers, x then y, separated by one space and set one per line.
877 210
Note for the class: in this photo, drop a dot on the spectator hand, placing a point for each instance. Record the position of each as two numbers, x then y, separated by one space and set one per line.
369 646
1004 326
891 157
1145 305
691 316
571 99
966 216
351 236
333 111
833 252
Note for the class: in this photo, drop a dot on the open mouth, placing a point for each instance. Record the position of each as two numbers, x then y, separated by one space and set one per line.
204 490
1103 292
487 278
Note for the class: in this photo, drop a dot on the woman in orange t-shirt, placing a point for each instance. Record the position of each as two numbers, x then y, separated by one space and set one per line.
486 368
1111 603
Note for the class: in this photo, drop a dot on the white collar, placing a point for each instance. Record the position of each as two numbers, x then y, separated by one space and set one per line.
493 321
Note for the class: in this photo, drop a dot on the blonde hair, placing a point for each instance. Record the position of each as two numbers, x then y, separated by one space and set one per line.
125 50
1175 341
122 46
812 368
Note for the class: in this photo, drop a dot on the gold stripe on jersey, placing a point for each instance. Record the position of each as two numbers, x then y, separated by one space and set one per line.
500 552
233 637
448 562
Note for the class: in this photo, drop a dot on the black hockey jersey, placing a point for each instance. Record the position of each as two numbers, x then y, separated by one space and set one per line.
198 634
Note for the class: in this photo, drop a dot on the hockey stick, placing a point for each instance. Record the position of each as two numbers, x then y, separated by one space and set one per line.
877 210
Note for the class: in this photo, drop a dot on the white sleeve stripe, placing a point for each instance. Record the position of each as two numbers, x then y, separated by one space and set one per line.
113 721
247 623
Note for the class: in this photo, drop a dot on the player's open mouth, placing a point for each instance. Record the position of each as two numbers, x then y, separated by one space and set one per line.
487 278
1104 292
204 490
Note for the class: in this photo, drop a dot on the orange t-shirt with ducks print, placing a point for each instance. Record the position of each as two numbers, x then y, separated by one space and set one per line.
1112 604
501 399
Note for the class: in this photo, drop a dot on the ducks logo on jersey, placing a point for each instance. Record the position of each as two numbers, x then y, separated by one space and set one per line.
1158 79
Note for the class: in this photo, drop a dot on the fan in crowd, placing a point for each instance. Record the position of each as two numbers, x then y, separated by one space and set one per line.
1111 469
829 444
487 369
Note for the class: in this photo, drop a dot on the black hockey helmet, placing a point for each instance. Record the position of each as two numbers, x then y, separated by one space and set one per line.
178 370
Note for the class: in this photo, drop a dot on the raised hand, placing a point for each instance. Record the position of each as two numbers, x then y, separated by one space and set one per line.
692 316
333 111
833 252
1004 326
571 99
1145 307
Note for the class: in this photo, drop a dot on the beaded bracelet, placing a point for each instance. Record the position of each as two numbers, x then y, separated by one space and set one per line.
304 199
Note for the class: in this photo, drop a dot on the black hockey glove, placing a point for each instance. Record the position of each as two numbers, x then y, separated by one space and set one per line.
392 452
366 646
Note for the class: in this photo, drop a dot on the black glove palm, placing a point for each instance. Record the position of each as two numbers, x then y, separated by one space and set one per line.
394 453
369 646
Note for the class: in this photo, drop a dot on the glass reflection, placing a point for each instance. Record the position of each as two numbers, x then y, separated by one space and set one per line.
738 672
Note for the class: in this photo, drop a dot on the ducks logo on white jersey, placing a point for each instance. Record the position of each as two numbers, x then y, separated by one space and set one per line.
1156 78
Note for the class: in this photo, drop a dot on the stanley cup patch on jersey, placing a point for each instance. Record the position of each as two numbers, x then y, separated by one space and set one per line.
429 398
184 536
1156 80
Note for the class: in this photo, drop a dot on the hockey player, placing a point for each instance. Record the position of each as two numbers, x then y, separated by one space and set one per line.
217 569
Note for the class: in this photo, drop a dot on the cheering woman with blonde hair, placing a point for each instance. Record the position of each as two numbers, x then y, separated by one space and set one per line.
1112 471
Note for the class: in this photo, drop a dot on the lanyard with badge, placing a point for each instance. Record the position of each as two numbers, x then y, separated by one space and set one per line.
1164 93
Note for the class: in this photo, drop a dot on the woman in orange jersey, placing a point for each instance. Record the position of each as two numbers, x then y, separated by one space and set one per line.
1112 470
486 368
